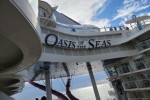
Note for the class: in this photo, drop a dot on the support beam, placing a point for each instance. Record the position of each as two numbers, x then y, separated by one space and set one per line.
93 81
48 85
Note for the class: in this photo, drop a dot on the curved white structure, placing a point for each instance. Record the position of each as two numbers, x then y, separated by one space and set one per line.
20 33
20 37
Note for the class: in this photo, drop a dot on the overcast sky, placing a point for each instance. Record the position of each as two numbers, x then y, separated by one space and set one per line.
97 12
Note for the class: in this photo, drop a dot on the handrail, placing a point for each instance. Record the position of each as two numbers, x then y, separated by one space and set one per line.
48 19
91 28
84 28
135 30
87 28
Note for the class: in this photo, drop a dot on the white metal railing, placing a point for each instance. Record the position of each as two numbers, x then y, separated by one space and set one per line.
134 29
50 19
91 28
86 28
82 28
76 28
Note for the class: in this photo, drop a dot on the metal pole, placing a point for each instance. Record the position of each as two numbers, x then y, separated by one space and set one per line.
105 28
93 81
130 23
48 85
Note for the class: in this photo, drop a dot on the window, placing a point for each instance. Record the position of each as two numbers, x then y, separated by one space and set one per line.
145 75
112 71
139 63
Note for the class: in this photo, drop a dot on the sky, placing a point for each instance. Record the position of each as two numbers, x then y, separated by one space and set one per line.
101 12
30 92
96 12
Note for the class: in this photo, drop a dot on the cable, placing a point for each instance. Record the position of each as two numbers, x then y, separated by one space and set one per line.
61 85
63 81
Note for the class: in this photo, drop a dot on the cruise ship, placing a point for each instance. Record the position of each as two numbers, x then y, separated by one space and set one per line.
44 44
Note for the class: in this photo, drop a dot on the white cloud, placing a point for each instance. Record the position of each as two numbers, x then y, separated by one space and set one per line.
130 7
81 10
100 23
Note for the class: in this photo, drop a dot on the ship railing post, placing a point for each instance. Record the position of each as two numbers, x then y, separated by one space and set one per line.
93 81
48 85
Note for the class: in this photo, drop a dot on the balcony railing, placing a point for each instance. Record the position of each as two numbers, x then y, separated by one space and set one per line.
79 28
130 85
142 64
86 28
139 66
110 71
124 69
143 45
134 29
145 83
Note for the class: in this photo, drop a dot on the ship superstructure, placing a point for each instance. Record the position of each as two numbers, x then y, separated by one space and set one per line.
54 45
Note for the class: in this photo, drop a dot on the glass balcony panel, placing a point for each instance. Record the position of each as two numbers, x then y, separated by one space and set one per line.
137 84
144 83
147 63
146 75
123 69
111 71
143 45
141 65
130 85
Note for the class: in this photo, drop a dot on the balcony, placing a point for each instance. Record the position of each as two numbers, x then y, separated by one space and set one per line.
145 83
140 66
47 22
143 45
134 29
110 71
130 85
124 69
